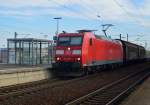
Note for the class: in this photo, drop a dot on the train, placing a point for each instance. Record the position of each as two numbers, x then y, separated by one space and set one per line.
83 52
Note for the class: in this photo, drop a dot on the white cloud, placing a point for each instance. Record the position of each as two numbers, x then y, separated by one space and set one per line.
116 11
23 3
109 10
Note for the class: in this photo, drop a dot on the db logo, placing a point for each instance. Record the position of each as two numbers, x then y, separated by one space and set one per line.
68 52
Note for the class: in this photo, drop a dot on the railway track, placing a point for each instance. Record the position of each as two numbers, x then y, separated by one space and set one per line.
13 88
112 93
60 92
6 92
33 87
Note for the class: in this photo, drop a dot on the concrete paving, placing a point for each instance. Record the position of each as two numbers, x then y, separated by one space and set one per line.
10 68
139 97
17 74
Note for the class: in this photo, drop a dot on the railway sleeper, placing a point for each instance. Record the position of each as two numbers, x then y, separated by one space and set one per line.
90 103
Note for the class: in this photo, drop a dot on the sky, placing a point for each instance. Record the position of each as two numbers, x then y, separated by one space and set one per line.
34 18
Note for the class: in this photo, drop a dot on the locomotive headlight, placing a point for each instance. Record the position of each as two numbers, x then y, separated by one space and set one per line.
78 59
76 52
69 48
57 58
60 52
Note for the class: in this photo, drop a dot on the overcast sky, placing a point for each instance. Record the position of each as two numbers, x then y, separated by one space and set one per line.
35 17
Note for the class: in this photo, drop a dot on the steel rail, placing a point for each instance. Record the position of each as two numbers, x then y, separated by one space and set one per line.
89 96
32 89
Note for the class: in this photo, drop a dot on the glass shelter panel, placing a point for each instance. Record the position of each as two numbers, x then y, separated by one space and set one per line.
44 53
26 53
29 51
11 52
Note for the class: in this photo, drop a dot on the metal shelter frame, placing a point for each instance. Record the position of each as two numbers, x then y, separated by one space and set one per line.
29 51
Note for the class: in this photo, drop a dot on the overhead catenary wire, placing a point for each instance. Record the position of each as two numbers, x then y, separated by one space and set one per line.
127 12
91 10
71 9
140 14
3 35
85 14
83 4
136 6
94 10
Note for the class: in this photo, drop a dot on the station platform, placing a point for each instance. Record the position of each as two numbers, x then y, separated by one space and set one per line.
17 74
10 68
141 96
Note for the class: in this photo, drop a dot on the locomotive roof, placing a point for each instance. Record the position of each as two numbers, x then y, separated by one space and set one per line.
66 34
81 31
97 36
104 37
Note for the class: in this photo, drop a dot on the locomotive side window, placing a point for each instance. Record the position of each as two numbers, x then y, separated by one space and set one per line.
90 42
70 41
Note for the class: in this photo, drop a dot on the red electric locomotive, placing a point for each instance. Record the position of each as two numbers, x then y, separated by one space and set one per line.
77 53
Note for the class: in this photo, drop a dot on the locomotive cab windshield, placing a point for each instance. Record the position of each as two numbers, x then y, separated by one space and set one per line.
69 41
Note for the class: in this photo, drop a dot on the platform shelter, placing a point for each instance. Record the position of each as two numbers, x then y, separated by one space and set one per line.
29 51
